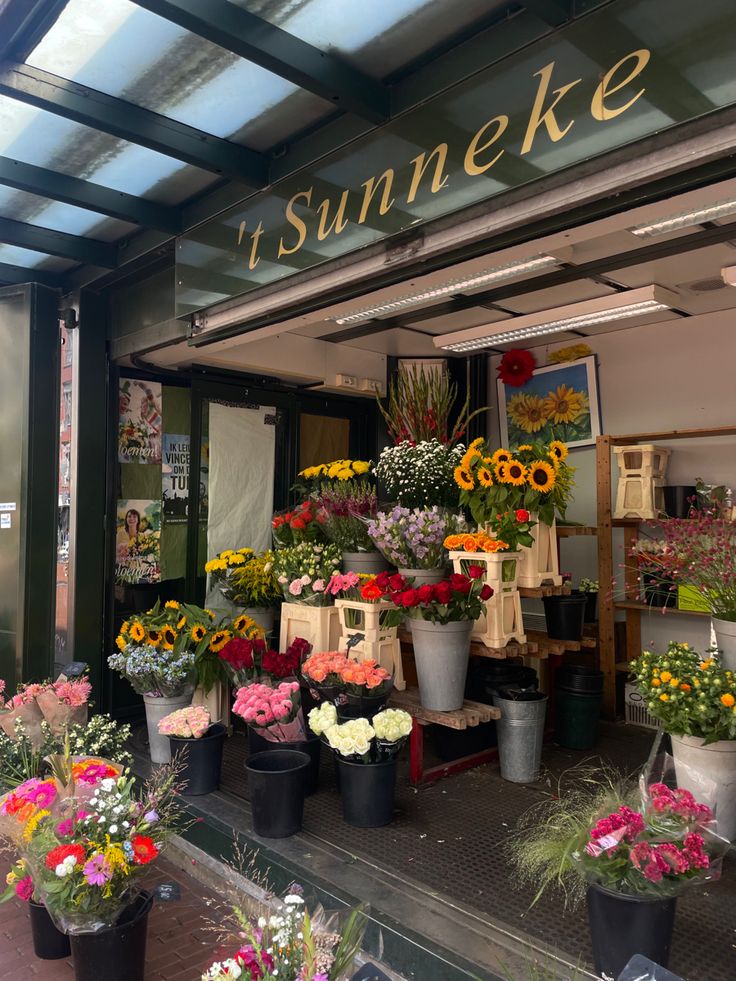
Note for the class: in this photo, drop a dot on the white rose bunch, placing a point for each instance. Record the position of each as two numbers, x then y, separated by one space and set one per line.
352 738
391 725
322 718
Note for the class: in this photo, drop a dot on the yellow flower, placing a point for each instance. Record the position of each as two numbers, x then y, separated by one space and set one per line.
209 613
168 637
198 632
558 450
33 823
236 559
137 632
500 456
181 623
453 542
10 878
664 697
478 441
656 682
219 639
485 478
665 676
515 473
153 638
464 479
501 473
361 467
115 855
171 605
124 628
345 474
564 404
335 469
541 476
728 700
243 622
524 448
245 551
529 413
120 642
675 683
226 553
571 353
706 664
494 545
469 457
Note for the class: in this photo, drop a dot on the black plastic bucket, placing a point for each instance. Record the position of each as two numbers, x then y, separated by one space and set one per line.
201 759
565 616
591 605
579 697
658 592
621 926
311 746
486 676
49 943
276 782
680 500
367 791
118 953
359 706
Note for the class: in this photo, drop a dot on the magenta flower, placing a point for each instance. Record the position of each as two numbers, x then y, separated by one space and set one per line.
64 828
97 871
24 888
43 794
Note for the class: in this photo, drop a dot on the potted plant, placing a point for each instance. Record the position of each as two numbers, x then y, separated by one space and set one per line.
366 755
695 700
533 478
87 861
198 743
276 724
628 854
412 540
441 617
356 688
49 943
420 474
589 589
248 583
303 572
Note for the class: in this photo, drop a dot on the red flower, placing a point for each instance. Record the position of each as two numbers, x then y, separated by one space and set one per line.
281 665
57 855
277 522
476 571
397 582
238 653
144 850
486 592
410 597
299 523
425 593
442 592
371 591
460 584
516 367
522 515
383 580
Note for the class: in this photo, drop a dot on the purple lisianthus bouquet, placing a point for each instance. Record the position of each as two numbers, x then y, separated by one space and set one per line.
411 538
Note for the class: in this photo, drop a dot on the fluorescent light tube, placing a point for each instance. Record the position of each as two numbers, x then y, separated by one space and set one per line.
487 276
574 316
685 219
728 275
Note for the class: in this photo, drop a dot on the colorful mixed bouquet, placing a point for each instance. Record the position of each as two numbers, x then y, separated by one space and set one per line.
275 712
690 695
302 523
420 475
533 478
345 495
413 538
456 598
303 572
292 944
186 723
364 741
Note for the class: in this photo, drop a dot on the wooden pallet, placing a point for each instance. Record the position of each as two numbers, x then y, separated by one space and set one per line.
471 714
546 647
526 592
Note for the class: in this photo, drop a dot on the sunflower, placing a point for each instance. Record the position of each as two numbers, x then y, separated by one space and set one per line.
501 474
181 623
564 404
557 450
485 477
137 632
171 605
168 638
198 632
541 476
209 613
125 627
524 448
529 413
500 456
515 473
243 622
469 459
476 443
120 642
153 638
219 639
464 479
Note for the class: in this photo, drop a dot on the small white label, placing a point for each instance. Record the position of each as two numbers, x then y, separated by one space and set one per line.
8 507
4 520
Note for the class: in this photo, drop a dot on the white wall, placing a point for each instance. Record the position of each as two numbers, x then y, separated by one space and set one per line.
675 375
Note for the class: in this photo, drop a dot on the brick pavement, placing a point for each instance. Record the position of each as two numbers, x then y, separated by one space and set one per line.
180 945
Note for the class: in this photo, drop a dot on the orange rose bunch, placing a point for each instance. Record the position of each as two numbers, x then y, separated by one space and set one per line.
479 542
333 669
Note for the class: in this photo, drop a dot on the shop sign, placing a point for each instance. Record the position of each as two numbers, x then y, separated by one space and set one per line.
621 73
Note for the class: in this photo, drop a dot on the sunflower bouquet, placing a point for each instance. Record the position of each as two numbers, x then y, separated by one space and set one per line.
534 478
226 643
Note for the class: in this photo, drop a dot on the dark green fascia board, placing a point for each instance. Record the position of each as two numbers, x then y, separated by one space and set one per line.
126 121
87 195
245 34
24 23
19 275
47 240
552 12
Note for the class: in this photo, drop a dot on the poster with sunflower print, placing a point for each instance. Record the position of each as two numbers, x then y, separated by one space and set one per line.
560 401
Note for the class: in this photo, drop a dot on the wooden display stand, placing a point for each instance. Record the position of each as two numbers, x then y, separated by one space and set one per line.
539 563
320 625
641 474
502 620
379 643
216 701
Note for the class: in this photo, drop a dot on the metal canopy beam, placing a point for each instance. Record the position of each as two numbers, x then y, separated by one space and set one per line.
85 194
249 36
23 24
16 275
61 244
126 121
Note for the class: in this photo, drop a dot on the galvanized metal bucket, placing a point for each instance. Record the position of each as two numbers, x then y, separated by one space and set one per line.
520 733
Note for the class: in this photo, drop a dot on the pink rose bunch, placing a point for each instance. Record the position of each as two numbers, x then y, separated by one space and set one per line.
191 722
261 705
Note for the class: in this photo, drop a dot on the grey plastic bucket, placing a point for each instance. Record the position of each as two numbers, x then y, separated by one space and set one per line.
520 733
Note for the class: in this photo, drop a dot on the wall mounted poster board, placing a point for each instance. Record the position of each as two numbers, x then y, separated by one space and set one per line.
140 421
175 477
560 401
138 542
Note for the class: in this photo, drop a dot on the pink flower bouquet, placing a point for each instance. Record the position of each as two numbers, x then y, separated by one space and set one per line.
22 707
187 723
275 712
64 703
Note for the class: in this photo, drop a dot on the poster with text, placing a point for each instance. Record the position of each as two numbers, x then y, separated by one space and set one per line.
139 426
138 542
175 478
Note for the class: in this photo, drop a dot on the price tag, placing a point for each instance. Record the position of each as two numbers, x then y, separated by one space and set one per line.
167 892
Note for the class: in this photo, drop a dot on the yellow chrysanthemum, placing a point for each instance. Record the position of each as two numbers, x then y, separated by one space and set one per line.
153 637
361 467
485 477
219 639
345 474
245 551
120 642
236 559
198 632
500 456
515 473
171 605
541 476
529 413
137 632
558 450
565 404
463 479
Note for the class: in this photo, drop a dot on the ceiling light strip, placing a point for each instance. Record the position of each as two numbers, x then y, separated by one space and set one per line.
685 219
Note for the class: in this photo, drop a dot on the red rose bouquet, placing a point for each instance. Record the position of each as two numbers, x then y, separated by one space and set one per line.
456 598
286 665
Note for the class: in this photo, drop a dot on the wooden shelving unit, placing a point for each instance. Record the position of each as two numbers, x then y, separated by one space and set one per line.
631 604
661 611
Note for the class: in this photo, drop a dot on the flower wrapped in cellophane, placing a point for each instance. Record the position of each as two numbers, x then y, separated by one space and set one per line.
275 712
